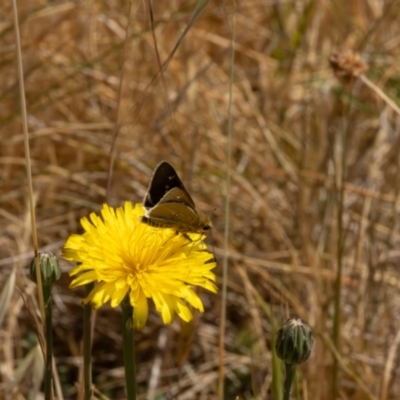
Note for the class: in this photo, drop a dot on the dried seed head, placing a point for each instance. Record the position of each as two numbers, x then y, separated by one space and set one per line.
347 65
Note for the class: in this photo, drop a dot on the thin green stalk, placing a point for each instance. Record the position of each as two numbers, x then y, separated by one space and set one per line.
276 385
290 371
276 365
128 349
49 343
297 394
221 379
87 345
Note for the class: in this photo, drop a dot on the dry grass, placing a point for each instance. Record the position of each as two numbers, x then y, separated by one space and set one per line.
289 113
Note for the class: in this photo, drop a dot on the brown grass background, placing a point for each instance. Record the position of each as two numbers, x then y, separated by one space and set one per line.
289 115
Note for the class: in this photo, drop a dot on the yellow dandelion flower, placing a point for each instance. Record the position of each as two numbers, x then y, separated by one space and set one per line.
126 256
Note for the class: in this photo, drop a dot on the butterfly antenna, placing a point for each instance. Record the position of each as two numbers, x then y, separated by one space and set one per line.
211 235
211 213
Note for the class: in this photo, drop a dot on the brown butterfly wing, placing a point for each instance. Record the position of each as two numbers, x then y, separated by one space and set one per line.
173 215
177 195
164 179
169 205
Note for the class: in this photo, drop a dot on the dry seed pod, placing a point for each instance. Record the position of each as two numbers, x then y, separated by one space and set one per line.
347 65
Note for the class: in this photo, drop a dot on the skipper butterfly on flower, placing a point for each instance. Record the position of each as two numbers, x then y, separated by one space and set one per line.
168 204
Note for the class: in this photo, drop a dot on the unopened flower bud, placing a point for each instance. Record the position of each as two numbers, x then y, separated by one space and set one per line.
49 269
294 341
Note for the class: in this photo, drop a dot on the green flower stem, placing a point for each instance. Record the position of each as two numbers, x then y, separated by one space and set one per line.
49 343
290 370
276 364
87 345
128 348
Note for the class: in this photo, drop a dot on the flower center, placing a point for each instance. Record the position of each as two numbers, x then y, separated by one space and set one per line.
139 268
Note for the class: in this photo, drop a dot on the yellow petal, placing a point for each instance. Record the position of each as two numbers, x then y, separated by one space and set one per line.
140 311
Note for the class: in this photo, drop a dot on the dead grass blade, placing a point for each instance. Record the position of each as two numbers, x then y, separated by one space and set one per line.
6 294
32 363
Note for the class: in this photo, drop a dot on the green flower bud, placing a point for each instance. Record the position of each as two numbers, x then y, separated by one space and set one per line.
294 341
49 269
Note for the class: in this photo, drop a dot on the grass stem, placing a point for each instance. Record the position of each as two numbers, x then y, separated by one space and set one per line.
340 192
27 157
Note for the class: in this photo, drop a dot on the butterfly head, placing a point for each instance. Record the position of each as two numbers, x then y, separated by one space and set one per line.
204 223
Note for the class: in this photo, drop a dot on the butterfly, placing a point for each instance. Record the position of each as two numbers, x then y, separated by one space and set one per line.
168 204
